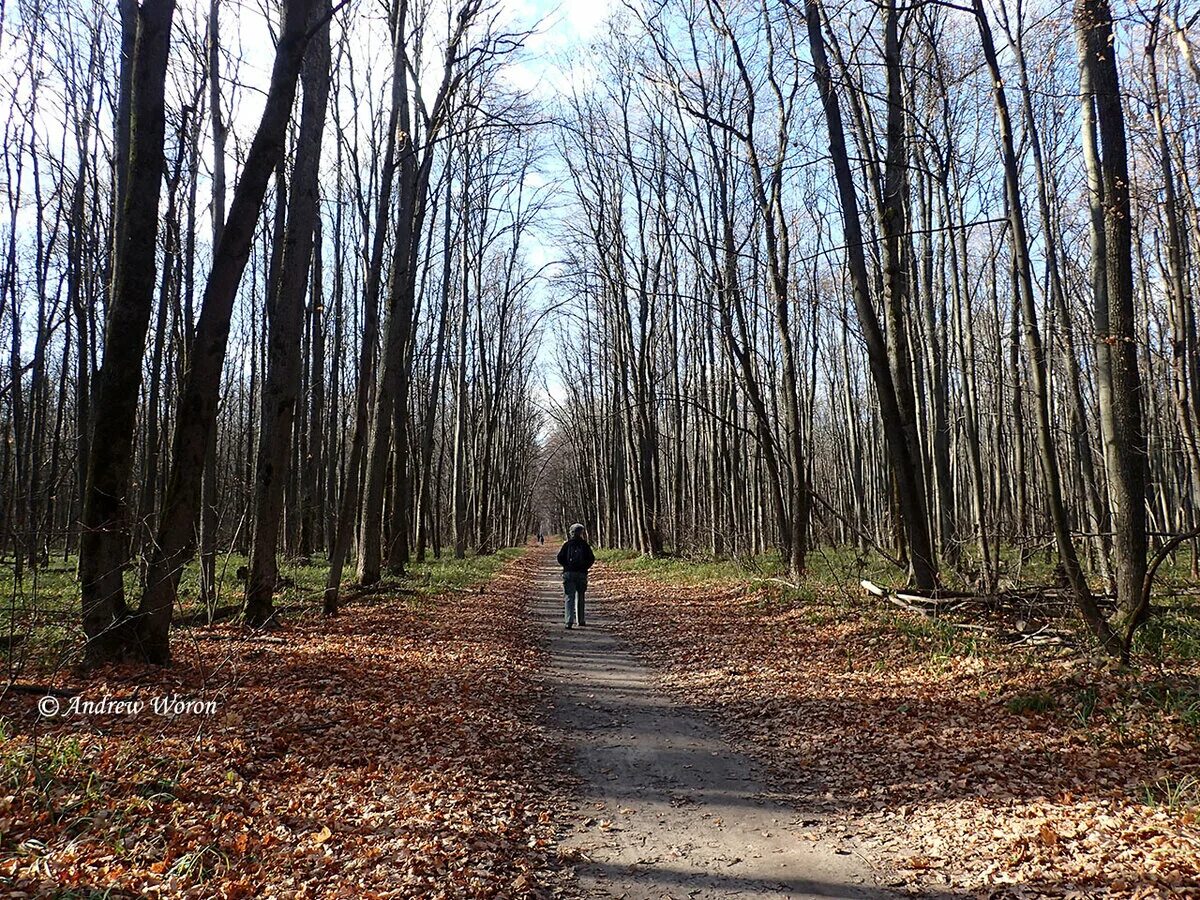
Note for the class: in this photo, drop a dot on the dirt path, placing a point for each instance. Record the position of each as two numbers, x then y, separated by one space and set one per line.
665 807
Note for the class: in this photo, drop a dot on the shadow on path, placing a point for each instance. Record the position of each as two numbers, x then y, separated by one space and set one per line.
665 807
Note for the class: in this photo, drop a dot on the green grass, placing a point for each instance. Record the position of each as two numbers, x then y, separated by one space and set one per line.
435 576
200 864
1032 702
678 569
1174 794
933 637
1173 632
56 760
1180 699
40 610
828 566
825 566
1087 699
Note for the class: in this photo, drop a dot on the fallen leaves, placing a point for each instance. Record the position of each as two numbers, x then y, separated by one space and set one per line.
1010 775
1048 835
395 751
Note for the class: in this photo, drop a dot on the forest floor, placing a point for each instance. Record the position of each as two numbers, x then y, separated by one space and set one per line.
707 734
398 750
949 761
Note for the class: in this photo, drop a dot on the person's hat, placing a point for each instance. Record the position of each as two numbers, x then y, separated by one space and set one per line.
576 528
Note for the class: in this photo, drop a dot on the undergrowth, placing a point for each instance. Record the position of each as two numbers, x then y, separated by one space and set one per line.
39 628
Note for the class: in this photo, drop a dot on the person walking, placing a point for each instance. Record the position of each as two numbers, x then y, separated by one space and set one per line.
576 558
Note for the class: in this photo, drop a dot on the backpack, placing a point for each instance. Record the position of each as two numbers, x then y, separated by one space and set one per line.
575 556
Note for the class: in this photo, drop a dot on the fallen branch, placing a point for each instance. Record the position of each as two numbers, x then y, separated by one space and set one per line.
1041 638
941 604
872 588
903 604
931 607
917 602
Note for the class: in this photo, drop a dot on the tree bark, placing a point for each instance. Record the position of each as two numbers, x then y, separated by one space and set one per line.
348 507
286 323
1125 449
1037 354
196 410
104 542
904 464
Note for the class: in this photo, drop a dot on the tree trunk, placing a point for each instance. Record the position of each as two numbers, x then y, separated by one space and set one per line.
208 486
286 323
904 463
104 542
197 406
1020 253
1116 326
348 507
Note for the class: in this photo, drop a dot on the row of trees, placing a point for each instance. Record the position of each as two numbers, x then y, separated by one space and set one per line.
917 277
273 268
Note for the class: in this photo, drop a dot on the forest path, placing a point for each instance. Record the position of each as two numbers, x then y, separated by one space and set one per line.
665 807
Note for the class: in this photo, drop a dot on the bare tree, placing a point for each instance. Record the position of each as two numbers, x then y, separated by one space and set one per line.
104 541
1116 321
286 324
197 407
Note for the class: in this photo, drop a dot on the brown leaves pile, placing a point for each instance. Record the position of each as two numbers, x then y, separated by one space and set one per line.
919 753
396 751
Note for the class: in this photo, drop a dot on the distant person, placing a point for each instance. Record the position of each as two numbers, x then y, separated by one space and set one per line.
576 558
541 538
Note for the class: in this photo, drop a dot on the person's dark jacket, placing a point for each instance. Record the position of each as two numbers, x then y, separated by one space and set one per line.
576 556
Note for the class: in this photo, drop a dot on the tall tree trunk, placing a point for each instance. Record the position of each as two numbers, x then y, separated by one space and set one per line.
144 530
904 463
286 324
312 494
104 542
208 485
348 507
897 249
1116 325
395 338
1097 507
412 201
1037 354
459 474
196 411
425 502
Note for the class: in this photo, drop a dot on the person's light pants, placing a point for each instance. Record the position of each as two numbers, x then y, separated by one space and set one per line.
574 586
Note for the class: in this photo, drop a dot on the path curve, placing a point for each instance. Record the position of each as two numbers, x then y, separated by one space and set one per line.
665 807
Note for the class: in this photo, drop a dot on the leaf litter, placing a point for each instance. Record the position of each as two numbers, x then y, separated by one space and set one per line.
402 751
1014 774
398 750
